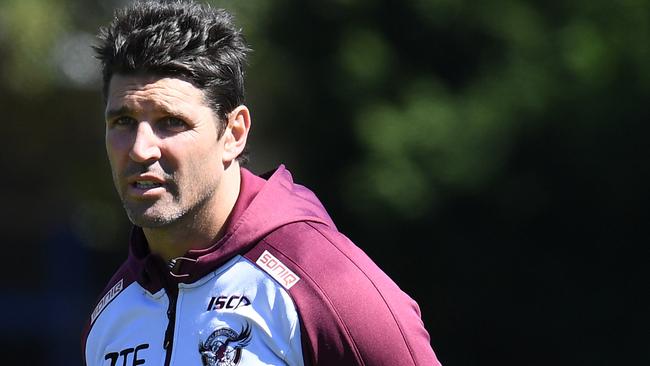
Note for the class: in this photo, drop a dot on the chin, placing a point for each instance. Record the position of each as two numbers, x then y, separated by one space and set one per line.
150 223
151 219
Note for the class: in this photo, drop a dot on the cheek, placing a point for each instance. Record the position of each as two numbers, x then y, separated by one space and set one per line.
112 152
191 151
117 151
203 167
116 143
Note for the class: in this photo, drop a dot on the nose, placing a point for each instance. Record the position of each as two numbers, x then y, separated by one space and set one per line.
146 146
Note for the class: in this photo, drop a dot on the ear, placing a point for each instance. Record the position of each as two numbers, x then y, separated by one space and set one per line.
239 123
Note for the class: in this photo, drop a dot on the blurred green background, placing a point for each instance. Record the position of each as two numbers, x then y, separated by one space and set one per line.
491 156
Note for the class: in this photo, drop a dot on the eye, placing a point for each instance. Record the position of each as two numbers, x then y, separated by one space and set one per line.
123 122
173 124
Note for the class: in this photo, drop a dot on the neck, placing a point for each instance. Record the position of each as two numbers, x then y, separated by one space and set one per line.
202 227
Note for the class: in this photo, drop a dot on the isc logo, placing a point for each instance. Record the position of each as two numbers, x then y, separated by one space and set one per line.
225 302
277 270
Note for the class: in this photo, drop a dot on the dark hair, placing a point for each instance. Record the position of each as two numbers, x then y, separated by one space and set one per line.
178 38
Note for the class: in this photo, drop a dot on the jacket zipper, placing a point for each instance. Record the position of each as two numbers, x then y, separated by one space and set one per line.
168 342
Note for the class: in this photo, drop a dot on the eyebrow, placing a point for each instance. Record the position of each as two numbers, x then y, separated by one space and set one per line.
112 113
126 110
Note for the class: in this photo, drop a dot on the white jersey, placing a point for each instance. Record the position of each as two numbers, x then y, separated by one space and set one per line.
219 320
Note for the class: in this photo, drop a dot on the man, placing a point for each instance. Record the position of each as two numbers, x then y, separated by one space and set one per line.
224 267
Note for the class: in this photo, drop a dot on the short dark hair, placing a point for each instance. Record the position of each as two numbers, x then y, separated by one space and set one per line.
178 38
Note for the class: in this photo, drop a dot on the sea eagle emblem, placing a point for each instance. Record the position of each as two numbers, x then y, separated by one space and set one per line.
224 346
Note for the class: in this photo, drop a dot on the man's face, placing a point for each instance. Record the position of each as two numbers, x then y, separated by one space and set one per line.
163 147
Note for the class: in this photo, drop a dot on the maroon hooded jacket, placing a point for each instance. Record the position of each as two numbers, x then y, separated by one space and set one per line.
282 286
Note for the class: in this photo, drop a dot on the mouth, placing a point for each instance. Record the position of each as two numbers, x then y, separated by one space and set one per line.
146 184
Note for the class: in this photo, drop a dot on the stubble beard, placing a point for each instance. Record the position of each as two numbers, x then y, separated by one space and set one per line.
157 219
168 212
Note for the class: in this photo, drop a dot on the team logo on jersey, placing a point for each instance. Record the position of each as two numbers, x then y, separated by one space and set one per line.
224 346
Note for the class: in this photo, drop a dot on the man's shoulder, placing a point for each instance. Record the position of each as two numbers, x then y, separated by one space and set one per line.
327 259
121 279
344 299
299 241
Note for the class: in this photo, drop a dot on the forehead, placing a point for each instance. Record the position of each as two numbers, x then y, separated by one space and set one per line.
153 92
